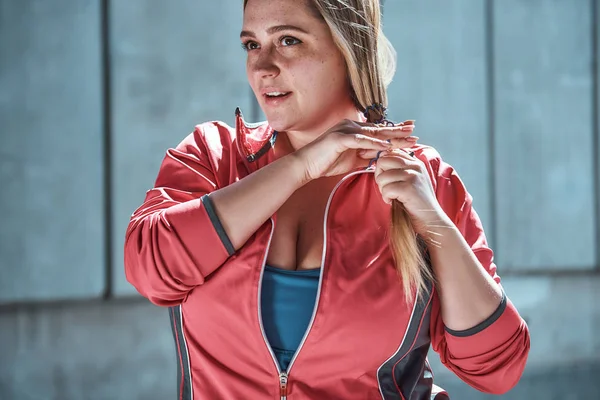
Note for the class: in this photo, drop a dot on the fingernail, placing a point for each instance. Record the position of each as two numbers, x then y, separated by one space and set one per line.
407 128
412 138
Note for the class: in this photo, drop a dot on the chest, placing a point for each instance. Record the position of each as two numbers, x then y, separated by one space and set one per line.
298 237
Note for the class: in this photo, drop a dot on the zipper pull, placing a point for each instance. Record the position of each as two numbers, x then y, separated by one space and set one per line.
283 381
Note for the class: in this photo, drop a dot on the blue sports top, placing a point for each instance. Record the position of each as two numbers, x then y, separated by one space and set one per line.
287 301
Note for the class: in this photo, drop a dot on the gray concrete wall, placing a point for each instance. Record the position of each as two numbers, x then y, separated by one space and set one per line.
93 92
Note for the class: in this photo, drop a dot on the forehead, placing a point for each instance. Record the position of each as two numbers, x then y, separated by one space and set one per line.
259 12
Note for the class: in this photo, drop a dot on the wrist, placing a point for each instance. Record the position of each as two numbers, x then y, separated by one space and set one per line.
297 168
437 229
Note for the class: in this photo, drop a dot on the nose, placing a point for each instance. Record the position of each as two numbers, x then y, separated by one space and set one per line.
264 64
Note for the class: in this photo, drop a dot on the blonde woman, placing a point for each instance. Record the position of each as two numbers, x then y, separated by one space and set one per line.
319 255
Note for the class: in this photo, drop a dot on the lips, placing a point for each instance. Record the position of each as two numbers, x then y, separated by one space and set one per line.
281 96
275 97
276 94
273 91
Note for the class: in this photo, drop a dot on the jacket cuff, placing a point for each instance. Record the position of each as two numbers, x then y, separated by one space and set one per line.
200 231
480 327
499 329
216 222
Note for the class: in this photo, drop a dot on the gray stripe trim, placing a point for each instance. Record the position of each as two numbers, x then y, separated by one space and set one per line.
184 377
174 331
415 337
212 214
480 327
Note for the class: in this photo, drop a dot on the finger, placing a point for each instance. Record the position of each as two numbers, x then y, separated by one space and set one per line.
397 159
395 175
387 132
395 191
368 154
363 142
405 169
396 143
404 152
403 142
403 123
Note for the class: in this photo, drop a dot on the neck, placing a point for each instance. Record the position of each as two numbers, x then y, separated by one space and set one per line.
296 139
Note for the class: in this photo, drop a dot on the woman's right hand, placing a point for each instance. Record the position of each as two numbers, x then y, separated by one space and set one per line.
351 144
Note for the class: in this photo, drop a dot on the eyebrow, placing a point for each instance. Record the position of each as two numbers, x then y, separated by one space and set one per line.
276 28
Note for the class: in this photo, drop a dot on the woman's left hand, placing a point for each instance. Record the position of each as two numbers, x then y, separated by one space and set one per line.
403 177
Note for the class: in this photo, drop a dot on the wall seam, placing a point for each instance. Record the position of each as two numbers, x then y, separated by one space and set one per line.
596 122
107 145
491 105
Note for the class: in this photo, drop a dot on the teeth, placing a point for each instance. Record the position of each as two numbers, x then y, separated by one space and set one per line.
274 94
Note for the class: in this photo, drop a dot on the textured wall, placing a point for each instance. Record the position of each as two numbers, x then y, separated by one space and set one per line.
51 158
544 129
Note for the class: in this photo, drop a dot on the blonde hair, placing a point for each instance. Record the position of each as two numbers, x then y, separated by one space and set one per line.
356 28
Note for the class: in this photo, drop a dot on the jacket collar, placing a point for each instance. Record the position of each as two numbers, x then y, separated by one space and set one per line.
253 139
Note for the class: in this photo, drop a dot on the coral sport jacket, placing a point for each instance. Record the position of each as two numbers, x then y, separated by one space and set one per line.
364 340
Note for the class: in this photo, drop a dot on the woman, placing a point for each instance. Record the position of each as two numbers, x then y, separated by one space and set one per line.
319 255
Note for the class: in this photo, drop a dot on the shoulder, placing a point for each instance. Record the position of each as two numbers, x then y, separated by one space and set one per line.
432 160
208 137
203 151
449 188
426 153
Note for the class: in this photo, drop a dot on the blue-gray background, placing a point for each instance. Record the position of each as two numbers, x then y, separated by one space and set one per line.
93 92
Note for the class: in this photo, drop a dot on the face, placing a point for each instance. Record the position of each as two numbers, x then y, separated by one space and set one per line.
294 67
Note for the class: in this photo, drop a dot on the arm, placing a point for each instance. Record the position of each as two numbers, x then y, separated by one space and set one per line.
187 226
477 331
263 192
195 218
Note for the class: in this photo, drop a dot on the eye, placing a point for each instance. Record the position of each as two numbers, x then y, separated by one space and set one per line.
249 45
289 41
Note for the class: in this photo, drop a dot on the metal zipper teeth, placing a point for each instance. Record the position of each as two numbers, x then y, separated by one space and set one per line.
312 319
262 270
260 279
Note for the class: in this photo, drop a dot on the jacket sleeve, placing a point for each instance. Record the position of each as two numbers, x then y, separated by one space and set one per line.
492 355
174 239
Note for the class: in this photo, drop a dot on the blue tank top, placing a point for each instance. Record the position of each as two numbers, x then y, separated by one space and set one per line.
287 302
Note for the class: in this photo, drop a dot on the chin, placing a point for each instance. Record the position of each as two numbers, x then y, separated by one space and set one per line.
281 123
279 126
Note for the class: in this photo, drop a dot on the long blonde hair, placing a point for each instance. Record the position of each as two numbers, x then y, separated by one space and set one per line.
356 28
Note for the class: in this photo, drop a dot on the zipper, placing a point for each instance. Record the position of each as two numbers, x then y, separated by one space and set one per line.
284 375
283 378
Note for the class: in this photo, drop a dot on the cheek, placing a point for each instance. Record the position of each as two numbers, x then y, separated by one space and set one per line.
333 79
334 70
320 76
250 76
